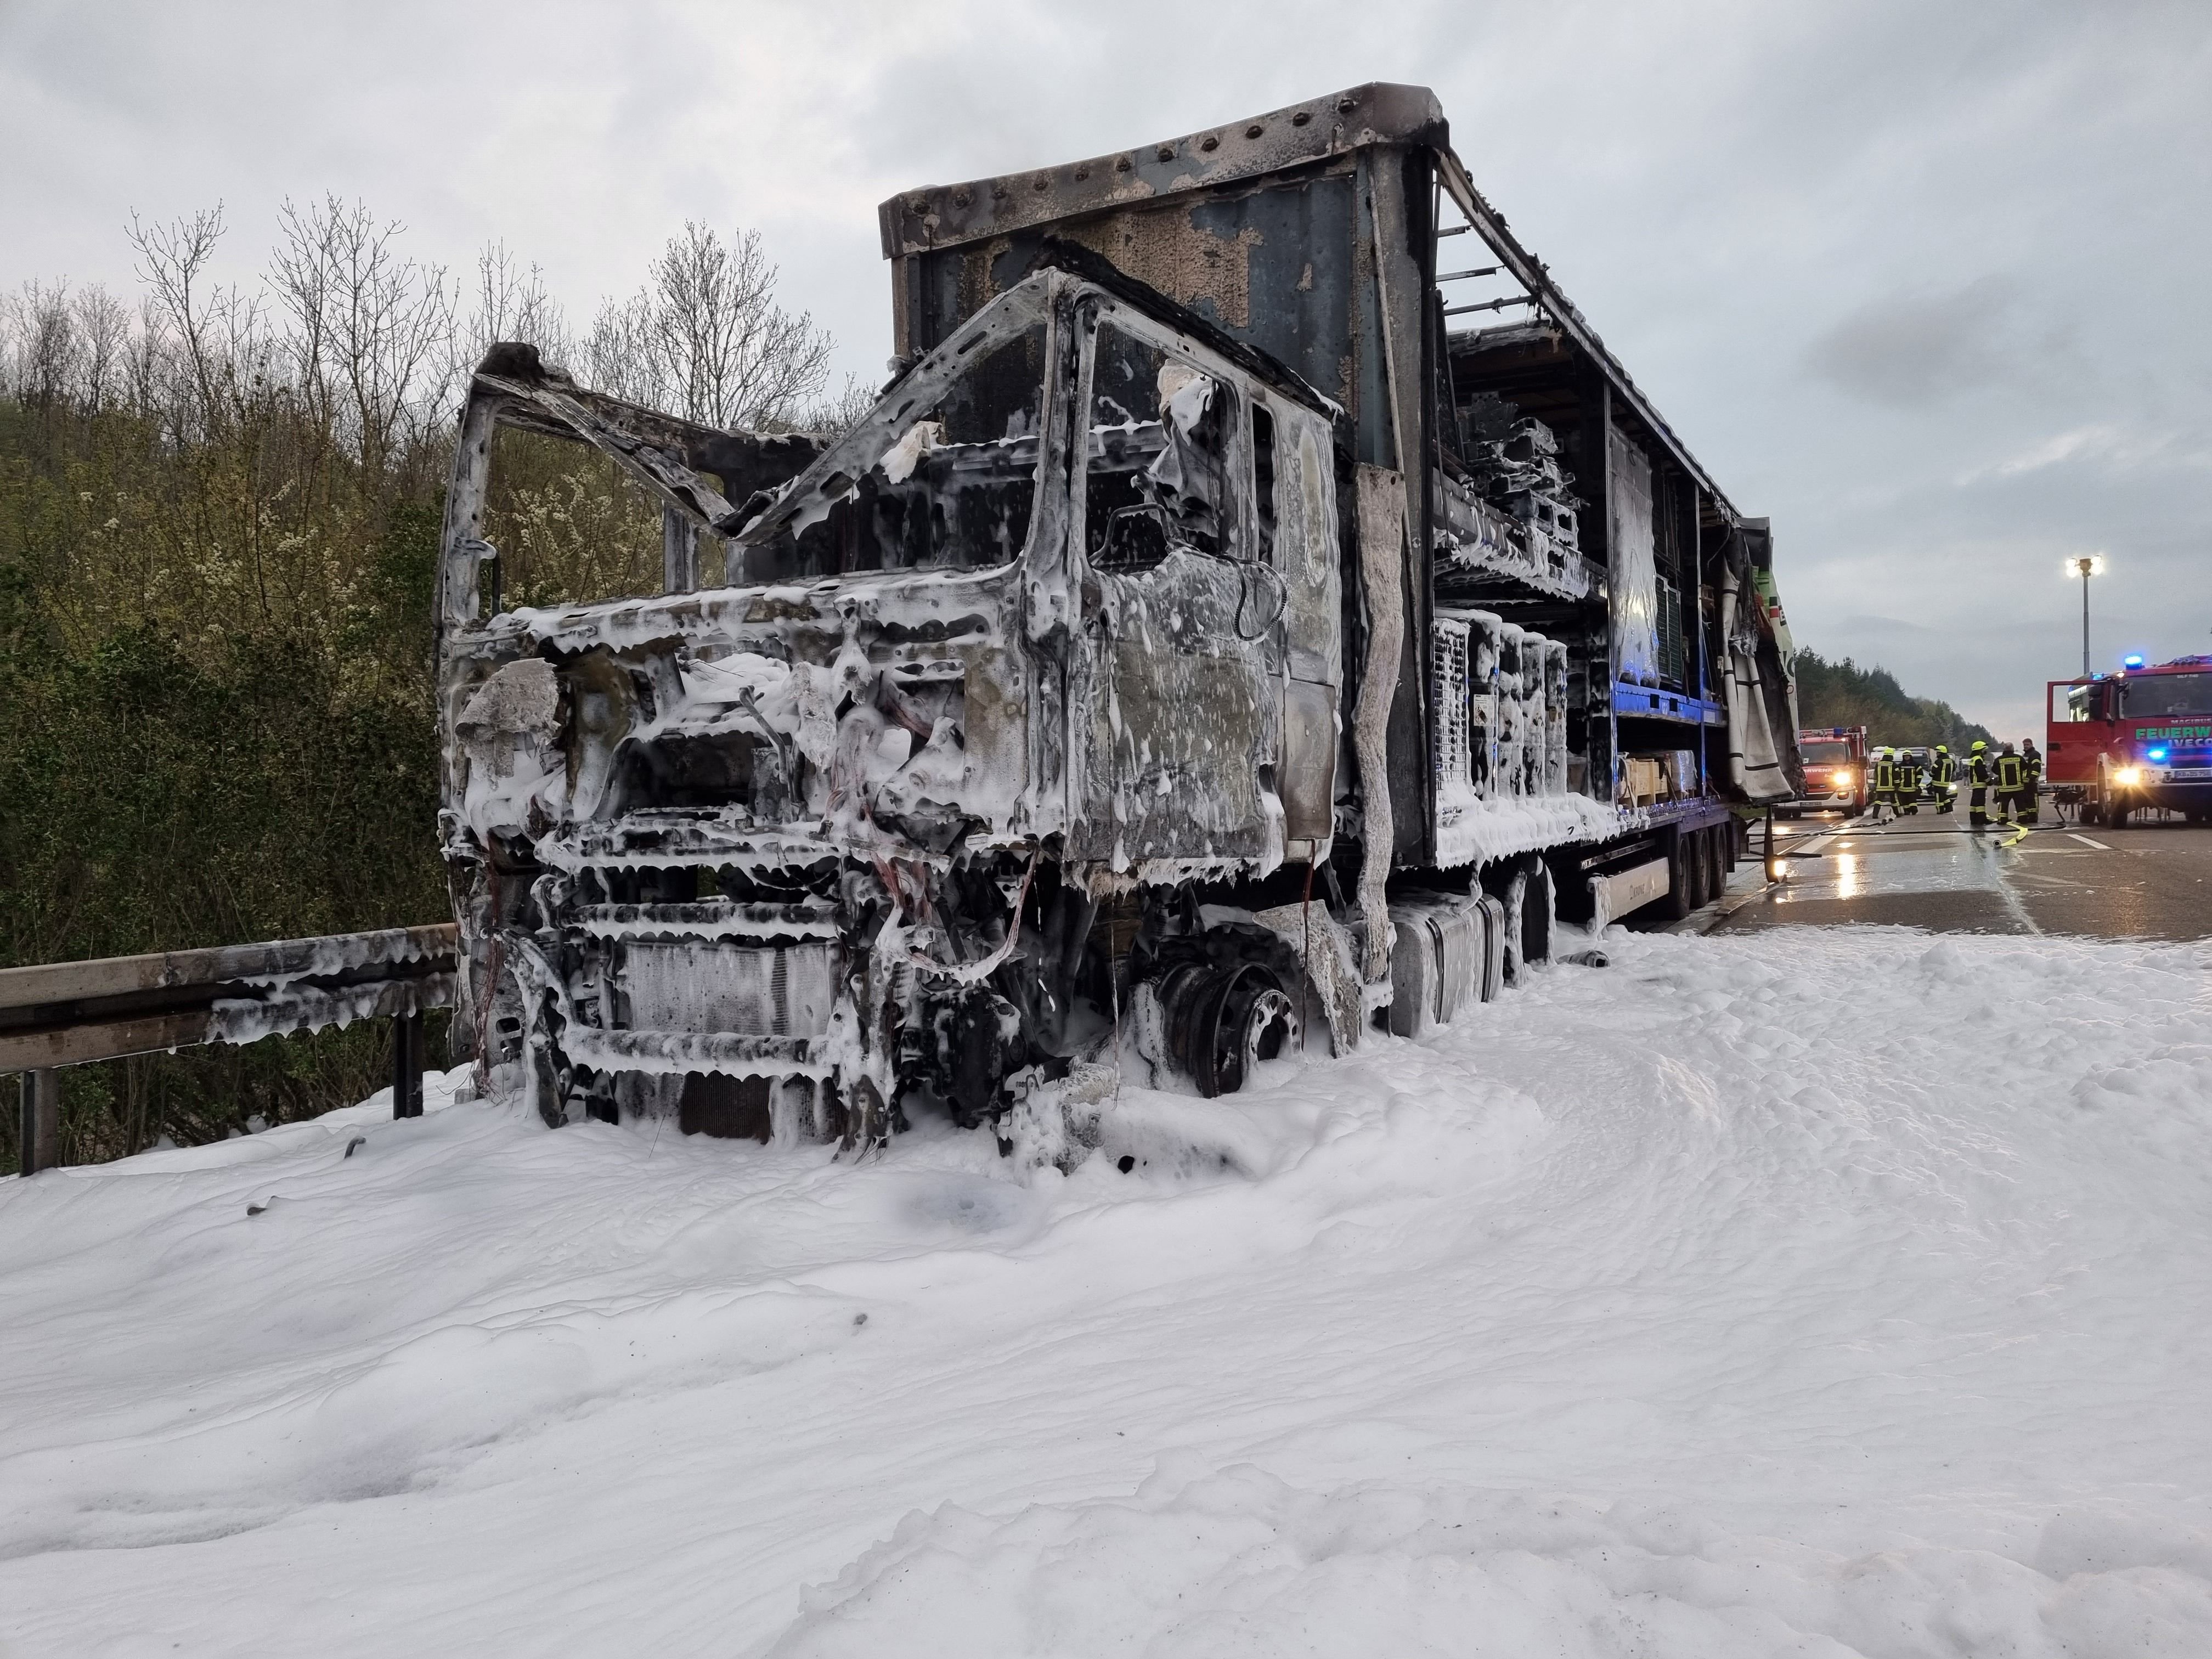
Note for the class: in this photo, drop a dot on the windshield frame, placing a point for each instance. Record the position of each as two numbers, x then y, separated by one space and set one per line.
1096 310
836 471
2130 685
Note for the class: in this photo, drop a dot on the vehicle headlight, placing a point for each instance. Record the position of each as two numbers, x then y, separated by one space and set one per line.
1842 777
2128 776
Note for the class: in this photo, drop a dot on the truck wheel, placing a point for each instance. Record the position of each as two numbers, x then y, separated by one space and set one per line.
1704 890
1679 900
2092 814
1537 906
1223 1020
2116 817
1716 862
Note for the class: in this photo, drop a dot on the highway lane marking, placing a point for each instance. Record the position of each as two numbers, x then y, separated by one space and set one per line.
2011 900
2085 842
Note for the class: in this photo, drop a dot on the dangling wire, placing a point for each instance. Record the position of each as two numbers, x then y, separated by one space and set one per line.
1114 997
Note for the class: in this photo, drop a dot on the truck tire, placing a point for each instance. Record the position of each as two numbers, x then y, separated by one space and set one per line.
1716 861
1537 908
1679 900
1223 1016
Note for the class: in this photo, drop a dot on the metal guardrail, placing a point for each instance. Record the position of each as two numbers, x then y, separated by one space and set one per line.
75 1013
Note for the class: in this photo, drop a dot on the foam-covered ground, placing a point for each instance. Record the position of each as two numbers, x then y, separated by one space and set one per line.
1815 1293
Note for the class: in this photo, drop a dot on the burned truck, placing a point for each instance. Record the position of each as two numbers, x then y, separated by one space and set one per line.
1239 626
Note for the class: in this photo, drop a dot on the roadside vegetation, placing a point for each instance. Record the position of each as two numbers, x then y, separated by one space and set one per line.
219 518
1841 693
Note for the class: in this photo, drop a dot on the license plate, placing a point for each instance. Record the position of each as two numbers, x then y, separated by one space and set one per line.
2188 774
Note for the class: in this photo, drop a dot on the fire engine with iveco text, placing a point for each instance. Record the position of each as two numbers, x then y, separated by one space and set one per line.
2140 736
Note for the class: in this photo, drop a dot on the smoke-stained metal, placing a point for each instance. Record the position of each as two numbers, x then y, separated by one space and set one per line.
1191 610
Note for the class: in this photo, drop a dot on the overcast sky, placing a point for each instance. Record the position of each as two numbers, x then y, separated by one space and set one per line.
1926 282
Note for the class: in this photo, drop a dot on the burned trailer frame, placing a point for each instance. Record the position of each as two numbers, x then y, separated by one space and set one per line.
1193 649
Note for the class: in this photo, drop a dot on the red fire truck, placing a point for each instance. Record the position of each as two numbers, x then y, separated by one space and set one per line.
1835 768
2139 738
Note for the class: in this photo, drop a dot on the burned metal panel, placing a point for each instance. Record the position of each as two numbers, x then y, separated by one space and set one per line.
947 216
1268 265
1184 726
1396 194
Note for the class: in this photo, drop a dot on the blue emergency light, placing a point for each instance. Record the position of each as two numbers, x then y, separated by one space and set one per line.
2132 662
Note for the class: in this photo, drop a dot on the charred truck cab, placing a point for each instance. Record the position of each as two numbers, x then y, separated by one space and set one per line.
1200 650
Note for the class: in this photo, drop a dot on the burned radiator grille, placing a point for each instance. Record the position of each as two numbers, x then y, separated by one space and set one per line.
699 985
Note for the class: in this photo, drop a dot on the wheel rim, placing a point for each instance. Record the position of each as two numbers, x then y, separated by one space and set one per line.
1247 1019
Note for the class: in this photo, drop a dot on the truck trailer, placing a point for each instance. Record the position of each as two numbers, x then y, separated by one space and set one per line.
1256 608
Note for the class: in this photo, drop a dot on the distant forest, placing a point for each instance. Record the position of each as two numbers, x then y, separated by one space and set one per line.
1842 693
219 520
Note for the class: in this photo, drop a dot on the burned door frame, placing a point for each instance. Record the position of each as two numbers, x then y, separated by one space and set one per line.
1096 798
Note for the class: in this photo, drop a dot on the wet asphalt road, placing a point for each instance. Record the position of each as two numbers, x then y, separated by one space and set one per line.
2151 882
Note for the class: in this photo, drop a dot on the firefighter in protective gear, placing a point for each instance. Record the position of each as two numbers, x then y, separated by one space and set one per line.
1884 783
1908 783
2011 785
1941 778
1978 786
2030 811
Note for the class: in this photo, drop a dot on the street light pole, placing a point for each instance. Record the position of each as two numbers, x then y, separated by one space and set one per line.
2085 619
2086 566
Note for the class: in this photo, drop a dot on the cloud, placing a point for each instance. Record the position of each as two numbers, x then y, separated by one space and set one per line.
2102 447
1860 256
1913 350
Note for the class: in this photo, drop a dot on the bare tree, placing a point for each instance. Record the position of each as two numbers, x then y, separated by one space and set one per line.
145 362
513 304
44 349
103 330
839 411
704 337
218 332
372 330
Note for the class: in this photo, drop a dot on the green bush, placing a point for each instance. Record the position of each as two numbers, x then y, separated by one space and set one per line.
185 764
